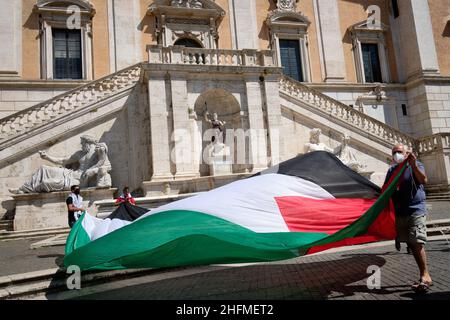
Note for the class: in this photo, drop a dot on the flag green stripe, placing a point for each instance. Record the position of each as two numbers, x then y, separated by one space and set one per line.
178 238
175 238
78 237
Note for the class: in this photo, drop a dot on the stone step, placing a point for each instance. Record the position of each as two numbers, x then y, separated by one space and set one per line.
54 280
55 241
32 234
438 223
432 196
439 198
106 207
436 193
185 186
6 225
438 231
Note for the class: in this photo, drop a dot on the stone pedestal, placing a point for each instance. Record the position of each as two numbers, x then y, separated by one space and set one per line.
220 160
36 211
220 167
187 186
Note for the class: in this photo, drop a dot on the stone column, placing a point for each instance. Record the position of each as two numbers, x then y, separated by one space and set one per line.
257 133
418 58
11 38
124 17
243 24
272 91
159 127
330 40
425 38
417 45
182 155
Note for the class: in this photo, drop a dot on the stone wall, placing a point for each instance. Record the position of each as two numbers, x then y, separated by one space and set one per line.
124 130
429 107
20 96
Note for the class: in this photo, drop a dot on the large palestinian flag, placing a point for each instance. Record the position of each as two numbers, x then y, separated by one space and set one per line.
305 205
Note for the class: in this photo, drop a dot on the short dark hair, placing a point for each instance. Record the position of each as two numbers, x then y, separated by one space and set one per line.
72 188
125 188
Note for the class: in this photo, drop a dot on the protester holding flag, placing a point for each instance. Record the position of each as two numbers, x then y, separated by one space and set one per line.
125 197
304 205
74 205
411 213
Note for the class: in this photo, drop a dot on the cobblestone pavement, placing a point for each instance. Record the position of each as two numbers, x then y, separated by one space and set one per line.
332 276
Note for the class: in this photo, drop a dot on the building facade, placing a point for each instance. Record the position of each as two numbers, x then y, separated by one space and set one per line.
133 73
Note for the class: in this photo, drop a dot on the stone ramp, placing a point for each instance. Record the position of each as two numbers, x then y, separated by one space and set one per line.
16 257
59 240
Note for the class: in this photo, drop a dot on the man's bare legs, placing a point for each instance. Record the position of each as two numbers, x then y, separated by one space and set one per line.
418 250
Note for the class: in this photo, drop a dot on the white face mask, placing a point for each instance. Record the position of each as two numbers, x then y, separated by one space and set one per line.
399 157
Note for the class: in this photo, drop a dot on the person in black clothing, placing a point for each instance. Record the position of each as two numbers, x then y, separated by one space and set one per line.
74 205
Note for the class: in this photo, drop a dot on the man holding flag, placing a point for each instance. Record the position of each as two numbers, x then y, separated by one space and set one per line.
411 213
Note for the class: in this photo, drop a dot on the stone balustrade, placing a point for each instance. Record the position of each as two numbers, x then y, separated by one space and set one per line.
77 98
210 57
344 113
434 143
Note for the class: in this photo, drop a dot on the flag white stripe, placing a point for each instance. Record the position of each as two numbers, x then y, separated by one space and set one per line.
249 203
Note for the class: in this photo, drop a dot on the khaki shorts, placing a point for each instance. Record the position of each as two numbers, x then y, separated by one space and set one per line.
411 229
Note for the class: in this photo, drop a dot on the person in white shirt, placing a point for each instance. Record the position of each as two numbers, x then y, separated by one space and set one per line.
74 205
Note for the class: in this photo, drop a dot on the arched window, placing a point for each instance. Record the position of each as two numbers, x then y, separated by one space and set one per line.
189 20
369 49
66 38
187 42
289 38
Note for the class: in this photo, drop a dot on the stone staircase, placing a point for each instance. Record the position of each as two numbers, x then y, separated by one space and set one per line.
32 234
6 225
346 116
438 193
36 119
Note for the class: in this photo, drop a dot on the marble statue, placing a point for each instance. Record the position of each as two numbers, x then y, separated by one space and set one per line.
379 93
89 167
218 126
287 5
100 171
315 144
196 136
187 3
346 155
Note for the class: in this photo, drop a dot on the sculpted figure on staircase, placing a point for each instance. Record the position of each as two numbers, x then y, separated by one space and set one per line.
346 155
89 167
315 144
218 126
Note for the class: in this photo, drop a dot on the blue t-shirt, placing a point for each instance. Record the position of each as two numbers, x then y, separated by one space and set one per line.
409 199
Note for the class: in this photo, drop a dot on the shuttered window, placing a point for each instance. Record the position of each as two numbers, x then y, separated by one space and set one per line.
67 57
291 59
371 60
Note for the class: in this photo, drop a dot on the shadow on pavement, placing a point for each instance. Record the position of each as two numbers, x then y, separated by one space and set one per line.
59 258
314 280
